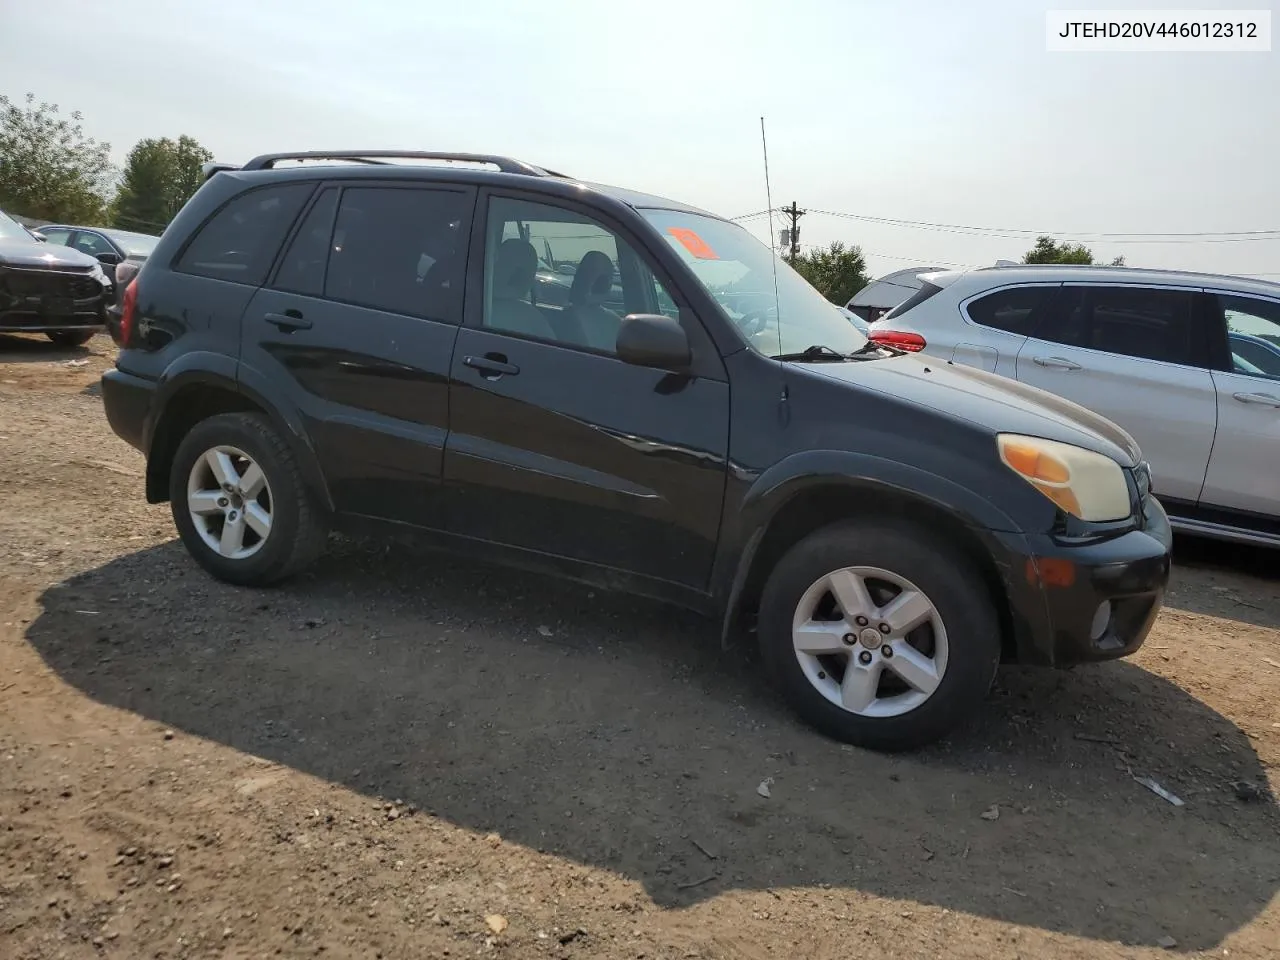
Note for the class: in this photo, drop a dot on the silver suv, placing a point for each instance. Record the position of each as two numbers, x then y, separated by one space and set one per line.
1189 364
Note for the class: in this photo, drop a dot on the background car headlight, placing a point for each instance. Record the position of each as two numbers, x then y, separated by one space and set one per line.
1085 484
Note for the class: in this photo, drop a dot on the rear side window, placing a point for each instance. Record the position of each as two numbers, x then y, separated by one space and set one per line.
1130 321
239 242
926 291
1014 310
401 250
303 266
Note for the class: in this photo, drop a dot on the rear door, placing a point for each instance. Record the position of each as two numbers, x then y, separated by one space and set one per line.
359 320
1138 355
1242 469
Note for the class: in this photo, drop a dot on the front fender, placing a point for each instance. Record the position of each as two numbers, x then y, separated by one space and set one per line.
745 527
814 468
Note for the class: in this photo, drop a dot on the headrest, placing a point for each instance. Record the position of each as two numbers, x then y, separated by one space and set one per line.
514 269
593 279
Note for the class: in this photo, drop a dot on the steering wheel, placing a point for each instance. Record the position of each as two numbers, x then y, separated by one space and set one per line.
755 322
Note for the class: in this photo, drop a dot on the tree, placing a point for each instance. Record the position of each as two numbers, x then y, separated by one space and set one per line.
159 177
837 271
1047 250
49 169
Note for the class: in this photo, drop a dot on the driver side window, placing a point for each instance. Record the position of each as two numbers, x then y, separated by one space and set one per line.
556 275
1253 335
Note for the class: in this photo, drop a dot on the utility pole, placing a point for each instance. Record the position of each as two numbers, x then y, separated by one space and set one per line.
794 213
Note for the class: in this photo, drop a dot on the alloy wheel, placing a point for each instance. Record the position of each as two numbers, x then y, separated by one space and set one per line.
230 502
870 641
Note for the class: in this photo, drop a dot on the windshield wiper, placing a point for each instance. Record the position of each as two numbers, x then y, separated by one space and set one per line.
871 347
818 353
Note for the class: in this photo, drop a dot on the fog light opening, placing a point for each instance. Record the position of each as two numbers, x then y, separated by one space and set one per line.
1101 620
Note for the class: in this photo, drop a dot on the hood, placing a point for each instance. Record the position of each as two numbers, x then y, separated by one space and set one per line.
31 254
988 400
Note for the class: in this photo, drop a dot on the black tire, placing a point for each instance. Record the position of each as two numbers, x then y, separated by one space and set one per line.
298 530
70 338
960 598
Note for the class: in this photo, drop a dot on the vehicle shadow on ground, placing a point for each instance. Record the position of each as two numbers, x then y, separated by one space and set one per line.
614 732
1227 580
37 348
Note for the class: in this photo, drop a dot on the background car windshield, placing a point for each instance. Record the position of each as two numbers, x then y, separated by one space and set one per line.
11 229
135 244
737 269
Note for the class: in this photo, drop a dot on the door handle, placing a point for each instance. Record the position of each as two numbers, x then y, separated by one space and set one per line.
288 321
492 365
1056 363
1265 399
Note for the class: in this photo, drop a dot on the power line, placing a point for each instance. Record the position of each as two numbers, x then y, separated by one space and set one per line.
1021 233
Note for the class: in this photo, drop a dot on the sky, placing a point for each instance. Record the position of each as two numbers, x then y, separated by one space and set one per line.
945 113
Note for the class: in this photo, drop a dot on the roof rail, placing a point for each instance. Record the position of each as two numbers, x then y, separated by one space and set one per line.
504 164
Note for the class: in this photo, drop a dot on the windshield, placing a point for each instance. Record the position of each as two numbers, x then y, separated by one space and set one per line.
136 245
11 229
737 269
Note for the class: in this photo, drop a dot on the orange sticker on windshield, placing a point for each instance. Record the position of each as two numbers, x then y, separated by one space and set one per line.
693 243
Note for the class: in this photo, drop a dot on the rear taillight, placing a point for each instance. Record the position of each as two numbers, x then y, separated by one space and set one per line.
900 339
128 311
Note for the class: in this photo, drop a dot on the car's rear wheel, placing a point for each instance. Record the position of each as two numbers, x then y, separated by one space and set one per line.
70 338
240 504
879 635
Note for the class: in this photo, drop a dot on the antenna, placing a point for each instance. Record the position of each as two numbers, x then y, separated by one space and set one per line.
773 249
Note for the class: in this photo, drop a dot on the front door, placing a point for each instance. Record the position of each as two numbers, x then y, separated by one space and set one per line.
556 445
361 315
1138 356
1242 469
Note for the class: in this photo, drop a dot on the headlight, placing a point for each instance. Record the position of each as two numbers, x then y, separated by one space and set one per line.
1085 484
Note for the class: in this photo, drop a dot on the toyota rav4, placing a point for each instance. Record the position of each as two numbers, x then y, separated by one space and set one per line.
355 343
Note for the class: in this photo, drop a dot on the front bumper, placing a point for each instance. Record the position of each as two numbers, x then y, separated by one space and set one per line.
1076 602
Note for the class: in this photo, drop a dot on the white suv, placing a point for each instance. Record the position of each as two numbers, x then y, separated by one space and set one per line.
1188 363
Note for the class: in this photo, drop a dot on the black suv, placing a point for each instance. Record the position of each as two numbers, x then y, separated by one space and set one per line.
51 290
359 342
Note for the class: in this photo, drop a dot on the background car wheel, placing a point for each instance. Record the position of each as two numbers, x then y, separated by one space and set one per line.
880 636
240 504
70 338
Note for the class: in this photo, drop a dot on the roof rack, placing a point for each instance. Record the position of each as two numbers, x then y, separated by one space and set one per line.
504 164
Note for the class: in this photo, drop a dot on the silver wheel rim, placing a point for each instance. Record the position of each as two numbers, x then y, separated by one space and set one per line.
230 502
870 641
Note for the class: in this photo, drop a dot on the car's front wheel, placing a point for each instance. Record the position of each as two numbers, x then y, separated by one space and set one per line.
240 504
70 338
879 635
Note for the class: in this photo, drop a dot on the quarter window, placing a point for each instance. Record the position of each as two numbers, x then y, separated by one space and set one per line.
1014 310
239 242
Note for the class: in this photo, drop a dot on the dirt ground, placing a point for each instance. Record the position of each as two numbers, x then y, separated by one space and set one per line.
405 756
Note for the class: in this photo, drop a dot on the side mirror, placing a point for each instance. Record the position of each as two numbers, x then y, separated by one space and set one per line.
110 259
37 235
652 340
